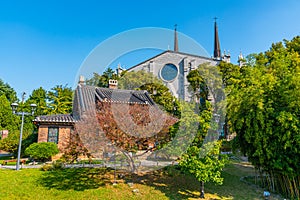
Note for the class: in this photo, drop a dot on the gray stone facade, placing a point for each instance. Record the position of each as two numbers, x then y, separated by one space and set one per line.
183 62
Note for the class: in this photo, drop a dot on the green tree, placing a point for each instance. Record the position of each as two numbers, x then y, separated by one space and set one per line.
8 91
206 84
38 97
11 143
42 151
203 159
102 80
230 74
197 85
160 93
8 121
12 123
7 96
134 80
263 109
60 100
205 163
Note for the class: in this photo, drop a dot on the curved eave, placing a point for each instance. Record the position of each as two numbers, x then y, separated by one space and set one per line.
59 123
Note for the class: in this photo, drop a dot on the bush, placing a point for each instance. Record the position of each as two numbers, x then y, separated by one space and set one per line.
47 167
11 143
42 151
57 165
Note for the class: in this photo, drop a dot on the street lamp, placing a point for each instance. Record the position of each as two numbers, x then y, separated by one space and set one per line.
14 107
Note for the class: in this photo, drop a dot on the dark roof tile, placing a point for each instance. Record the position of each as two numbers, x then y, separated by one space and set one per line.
123 96
59 118
85 99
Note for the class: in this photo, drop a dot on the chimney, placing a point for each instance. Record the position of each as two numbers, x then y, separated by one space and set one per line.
113 84
81 80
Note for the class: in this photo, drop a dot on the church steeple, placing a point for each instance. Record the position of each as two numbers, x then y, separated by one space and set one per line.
175 39
217 48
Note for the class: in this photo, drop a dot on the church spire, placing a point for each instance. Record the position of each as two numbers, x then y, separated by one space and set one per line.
217 48
175 39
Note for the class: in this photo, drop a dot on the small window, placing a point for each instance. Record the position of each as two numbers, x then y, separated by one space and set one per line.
53 134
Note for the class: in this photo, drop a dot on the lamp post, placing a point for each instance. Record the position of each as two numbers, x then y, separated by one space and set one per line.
14 107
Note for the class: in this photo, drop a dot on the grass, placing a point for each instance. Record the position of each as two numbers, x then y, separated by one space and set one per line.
96 183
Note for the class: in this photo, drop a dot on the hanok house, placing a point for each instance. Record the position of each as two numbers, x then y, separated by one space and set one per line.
114 110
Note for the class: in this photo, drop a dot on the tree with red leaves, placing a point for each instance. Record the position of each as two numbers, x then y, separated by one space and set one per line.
132 127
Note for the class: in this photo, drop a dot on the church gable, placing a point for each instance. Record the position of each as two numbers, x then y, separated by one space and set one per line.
172 68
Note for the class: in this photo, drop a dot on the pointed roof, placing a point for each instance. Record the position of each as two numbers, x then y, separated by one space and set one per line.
86 97
173 52
217 48
175 39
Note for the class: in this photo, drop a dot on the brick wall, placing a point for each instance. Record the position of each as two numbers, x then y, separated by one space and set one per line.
63 135
43 133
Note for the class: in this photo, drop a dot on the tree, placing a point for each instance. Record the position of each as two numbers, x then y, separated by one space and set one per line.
263 109
60 100
134 127
8 121
102 80
205 163
42 151
203 159
206 84
163 97
11 143
75 148
197 85
38 97
8 91
160 93
134 80
11 122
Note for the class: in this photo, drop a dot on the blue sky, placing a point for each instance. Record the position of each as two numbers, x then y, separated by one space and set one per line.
44 43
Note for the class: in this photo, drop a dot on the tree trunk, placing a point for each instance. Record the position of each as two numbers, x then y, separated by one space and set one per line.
202 190
130 161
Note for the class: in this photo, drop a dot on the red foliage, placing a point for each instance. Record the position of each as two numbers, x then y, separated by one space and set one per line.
134 126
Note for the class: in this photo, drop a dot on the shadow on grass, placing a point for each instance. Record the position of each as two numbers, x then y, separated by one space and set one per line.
78 179
176 185
170 181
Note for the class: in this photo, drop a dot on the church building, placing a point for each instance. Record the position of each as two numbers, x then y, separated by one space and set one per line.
172 67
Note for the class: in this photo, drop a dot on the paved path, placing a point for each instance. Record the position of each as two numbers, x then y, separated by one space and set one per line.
144 163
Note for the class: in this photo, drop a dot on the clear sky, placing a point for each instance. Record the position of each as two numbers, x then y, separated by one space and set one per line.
43 43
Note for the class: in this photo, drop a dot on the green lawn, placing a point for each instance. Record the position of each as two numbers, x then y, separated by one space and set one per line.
86 183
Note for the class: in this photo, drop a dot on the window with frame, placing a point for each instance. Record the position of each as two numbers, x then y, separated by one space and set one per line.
53 134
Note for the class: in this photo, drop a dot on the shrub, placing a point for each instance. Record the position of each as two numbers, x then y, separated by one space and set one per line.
57 165
42 151
47 167
11 143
